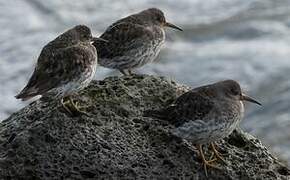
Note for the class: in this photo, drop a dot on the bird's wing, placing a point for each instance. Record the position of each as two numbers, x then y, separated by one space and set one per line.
54 69
123 37
188 107
191 106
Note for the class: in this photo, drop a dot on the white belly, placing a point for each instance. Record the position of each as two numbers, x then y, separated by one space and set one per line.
202 132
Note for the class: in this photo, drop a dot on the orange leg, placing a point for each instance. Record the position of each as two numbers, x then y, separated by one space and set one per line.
72 107
204 161
217 154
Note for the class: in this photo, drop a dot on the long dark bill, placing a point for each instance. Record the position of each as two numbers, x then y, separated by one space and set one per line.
172 26
248 98
99 39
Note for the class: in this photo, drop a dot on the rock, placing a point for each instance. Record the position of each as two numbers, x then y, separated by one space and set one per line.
115 141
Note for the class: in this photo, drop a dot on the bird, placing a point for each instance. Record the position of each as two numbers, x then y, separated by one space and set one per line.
205 115
133 41
65 66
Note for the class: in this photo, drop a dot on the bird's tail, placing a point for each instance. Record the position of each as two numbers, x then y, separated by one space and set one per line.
163 114
153 113
26 93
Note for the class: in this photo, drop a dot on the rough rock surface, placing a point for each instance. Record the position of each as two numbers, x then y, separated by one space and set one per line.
115 141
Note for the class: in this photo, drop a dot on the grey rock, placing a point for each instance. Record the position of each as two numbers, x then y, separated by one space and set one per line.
116 142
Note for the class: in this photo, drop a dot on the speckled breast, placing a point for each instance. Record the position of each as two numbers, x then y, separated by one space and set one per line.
214 127
143 54
150 52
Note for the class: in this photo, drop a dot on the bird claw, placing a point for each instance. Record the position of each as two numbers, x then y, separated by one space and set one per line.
73 108
131 73
127 72
212 159
207 163
217 154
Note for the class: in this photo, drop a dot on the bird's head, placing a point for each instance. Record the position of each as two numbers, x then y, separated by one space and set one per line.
74 35
83 33
156 17
231 89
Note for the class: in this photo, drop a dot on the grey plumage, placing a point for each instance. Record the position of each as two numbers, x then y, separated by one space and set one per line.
133 41
65 65
205 114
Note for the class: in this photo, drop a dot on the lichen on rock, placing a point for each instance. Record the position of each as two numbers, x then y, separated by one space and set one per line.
115 141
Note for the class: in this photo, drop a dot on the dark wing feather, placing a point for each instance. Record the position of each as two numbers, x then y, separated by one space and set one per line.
54 69
189 106
134 19
122 37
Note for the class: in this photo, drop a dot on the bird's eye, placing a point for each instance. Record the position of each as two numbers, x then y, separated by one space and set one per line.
85 36
159 18
235 91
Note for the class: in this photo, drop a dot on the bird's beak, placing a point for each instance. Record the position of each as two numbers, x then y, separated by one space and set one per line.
99 39
248 98
167 24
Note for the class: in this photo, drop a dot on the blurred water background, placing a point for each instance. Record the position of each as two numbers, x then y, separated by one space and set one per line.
245 40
